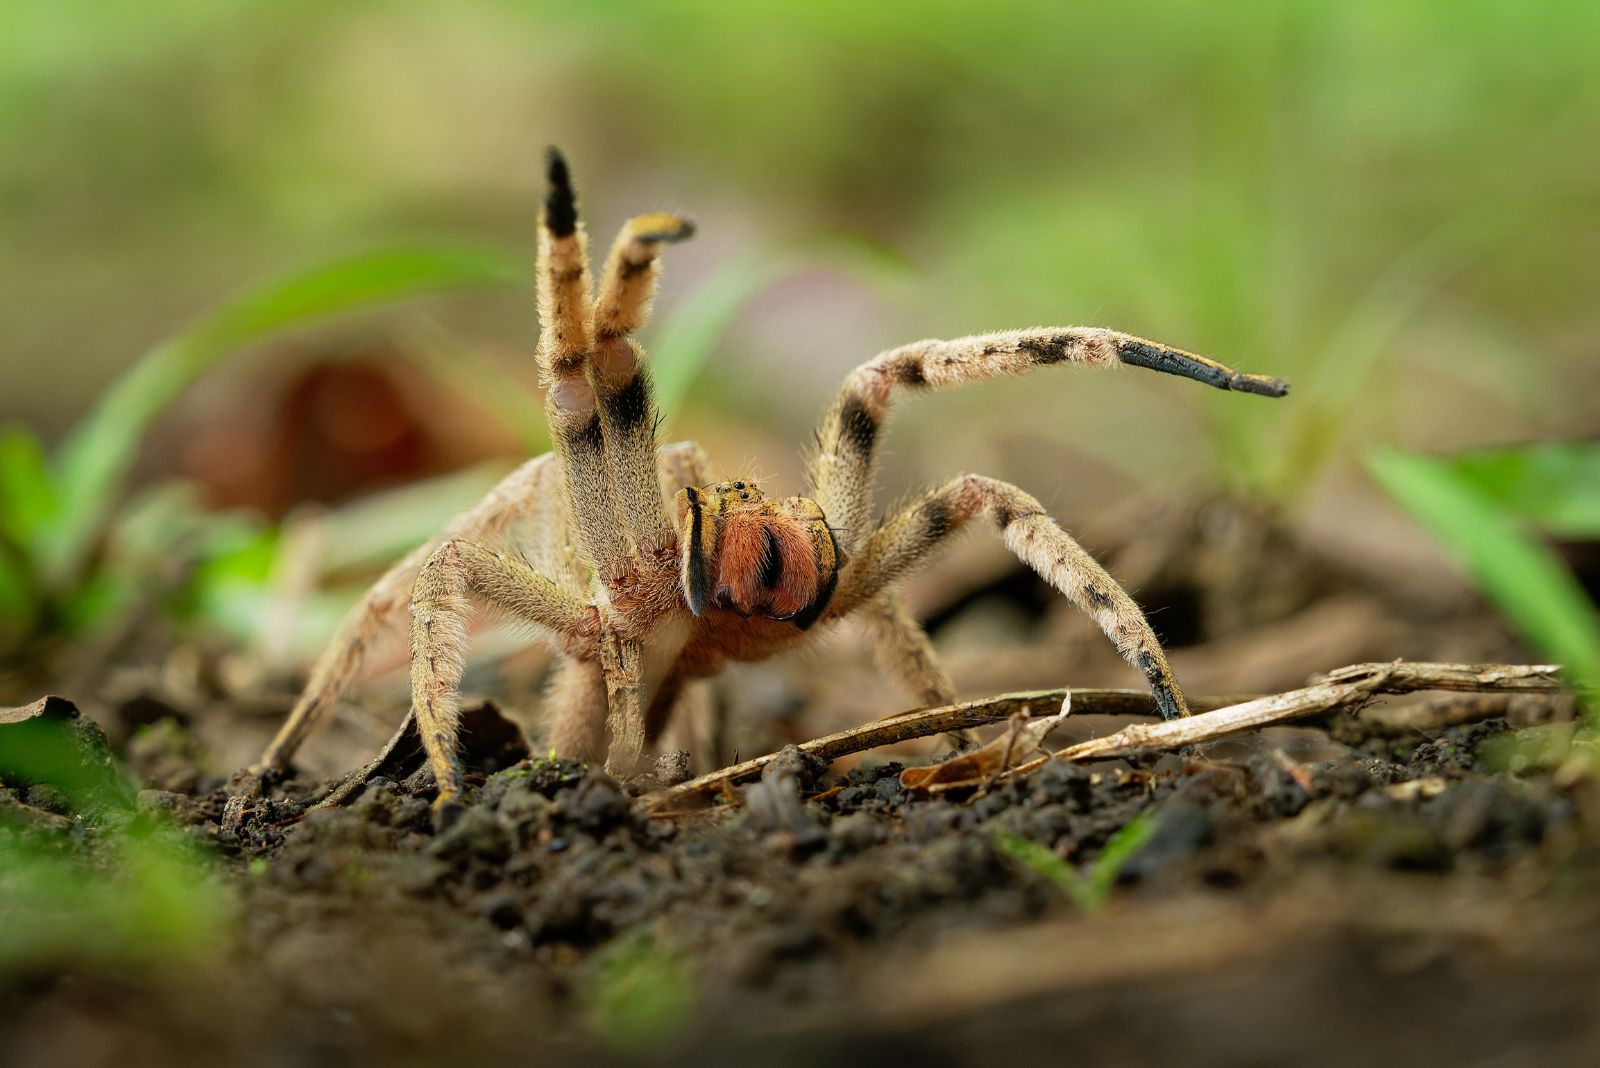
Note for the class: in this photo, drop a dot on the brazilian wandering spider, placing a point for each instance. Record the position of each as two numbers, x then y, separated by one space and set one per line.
629 548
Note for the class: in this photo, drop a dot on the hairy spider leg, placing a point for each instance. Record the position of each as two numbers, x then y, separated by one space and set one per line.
905 540
441 607
844 461
525 500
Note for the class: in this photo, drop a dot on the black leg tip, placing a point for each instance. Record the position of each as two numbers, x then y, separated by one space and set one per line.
556 169
683 230
560 205
1260 385
1138 353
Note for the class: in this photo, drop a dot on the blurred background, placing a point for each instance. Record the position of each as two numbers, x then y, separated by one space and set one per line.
1393 206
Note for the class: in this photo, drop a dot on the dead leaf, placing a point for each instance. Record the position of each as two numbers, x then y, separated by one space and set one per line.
1017 744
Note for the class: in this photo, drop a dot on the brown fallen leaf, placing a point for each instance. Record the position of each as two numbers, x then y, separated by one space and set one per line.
1019 742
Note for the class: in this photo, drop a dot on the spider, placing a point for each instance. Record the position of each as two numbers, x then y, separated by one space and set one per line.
631 549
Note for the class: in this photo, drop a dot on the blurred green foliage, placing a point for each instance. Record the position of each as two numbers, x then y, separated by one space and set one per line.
140 897
56 511
683 339
639 991
1492 510
1371 199
100 885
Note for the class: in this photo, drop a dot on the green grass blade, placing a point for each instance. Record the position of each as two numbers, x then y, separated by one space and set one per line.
1518 573
1068 880
96 458
1555 485
1333 389
27 496
27 504
686 340
1119 850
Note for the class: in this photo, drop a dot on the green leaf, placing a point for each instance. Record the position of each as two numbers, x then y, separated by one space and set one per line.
1555 485
144 898
96 458
1129 839
27 498
1361 347
1524 579
27 502
1044 862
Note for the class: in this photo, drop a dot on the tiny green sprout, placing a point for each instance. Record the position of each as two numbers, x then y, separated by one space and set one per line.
257 867
1088 891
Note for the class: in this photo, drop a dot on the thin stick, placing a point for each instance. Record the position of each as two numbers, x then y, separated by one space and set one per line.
922 723
1354 685
1401 676
1215 717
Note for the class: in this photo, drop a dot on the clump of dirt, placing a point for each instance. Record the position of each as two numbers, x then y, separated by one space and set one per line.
551 912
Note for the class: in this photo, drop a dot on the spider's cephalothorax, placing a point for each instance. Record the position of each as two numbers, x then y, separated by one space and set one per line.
618 539
744 552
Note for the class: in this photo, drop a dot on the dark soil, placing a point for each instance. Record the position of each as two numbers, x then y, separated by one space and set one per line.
1381 885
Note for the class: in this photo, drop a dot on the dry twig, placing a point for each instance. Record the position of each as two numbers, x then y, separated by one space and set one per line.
1215 717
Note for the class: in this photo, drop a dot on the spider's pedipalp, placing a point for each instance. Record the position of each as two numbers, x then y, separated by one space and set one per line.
844 460
681 465
905 540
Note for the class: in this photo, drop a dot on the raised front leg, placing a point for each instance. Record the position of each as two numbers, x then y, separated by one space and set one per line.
599 405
